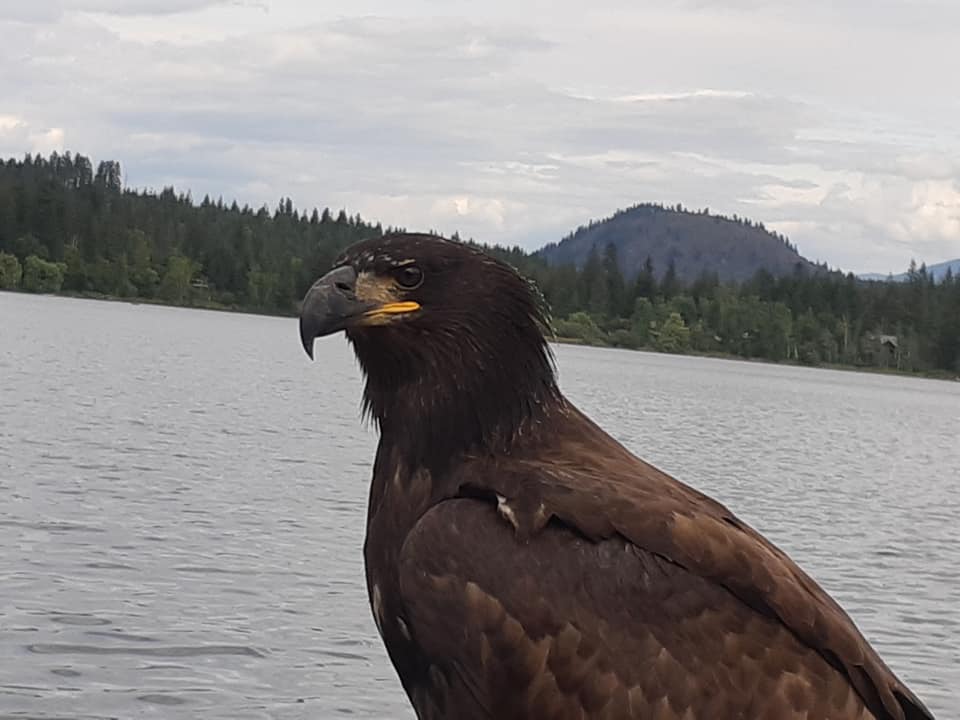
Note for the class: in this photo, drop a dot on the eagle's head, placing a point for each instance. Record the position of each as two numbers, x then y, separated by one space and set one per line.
451 339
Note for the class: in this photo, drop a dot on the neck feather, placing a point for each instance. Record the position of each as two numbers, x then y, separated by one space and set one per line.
440 397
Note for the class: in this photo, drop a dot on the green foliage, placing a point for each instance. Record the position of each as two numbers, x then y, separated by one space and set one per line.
645 284
261 286
40 276
691 242
827 318
624 338
10 271
674 335
644 319
74 227
616 293
176 283
579 326
162 245
76 277
27 245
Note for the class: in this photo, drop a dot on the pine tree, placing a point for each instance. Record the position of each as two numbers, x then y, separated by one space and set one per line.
68 226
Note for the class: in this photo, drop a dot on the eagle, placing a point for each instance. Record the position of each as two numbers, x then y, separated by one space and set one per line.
521 563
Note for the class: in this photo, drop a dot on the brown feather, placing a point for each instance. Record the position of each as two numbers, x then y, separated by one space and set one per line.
523 564
596 630
599 489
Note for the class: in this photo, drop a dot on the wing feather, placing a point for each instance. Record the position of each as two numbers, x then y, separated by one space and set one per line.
599 490
562 626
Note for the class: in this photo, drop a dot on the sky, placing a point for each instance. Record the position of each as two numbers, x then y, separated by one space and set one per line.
836 122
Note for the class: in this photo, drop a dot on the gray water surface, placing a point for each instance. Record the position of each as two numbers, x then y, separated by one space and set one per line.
182 499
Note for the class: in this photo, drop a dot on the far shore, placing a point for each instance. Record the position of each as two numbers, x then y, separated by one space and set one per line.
218 307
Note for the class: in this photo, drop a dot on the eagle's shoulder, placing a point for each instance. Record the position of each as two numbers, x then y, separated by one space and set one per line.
562 625
593 487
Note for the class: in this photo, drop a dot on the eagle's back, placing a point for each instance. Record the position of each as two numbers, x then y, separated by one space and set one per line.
576 557
565 627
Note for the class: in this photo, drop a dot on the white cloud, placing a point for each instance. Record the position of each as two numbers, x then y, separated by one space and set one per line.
29 12
18 137
518 124
936 210
47 141
692 94
143 7
41 11
9 124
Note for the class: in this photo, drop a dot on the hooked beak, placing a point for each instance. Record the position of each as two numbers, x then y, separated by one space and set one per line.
330 305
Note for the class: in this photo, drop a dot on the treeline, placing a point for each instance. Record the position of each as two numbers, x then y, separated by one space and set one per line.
811 318
67 226
74 228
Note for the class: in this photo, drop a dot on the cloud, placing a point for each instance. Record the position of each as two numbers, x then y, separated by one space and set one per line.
47 141
10 124
18 137
36 12
510 127
46 11
894 218
144 7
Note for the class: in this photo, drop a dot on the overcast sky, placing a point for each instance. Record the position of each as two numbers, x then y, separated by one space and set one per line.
836 122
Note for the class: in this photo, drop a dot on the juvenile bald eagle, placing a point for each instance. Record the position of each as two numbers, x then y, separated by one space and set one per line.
522 564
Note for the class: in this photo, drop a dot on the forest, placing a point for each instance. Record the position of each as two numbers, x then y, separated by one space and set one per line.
693 241
67 226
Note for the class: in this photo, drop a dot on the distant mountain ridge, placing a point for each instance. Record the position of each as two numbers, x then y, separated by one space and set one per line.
695 242
938 272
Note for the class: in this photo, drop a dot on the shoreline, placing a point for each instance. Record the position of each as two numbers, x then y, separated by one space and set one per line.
217 307
922 374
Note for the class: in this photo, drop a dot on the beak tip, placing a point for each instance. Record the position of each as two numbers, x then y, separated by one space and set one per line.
328 306
306 339
308 346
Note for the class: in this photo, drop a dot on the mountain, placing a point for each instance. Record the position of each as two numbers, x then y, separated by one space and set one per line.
938 272
694 241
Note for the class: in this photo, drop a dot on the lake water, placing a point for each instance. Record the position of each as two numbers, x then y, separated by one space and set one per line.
182 499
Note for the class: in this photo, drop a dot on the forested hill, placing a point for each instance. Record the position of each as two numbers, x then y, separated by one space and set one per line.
163 245
695 242
69 226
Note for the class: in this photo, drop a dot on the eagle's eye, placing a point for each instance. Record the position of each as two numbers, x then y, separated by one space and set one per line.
409 277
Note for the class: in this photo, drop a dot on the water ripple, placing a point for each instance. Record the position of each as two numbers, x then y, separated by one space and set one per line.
182 531
171 652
